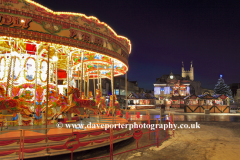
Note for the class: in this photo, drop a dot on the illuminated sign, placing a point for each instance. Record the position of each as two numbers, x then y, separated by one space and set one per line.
14 21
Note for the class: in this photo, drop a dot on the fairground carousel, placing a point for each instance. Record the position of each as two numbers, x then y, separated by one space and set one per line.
35 44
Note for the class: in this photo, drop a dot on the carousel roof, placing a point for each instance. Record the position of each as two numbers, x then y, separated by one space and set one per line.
68 34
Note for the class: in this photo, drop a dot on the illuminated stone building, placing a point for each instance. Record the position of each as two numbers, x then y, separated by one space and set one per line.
171 89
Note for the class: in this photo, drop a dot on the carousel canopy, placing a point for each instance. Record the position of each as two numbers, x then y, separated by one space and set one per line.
27 27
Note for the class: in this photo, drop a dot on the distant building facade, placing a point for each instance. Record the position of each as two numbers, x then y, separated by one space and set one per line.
171 89
237 97
188 74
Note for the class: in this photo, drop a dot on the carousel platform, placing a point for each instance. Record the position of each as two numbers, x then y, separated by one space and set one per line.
37 141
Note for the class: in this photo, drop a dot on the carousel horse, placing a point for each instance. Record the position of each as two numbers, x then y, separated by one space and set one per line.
84 103
2 92
90 95
52 97
62 102
53 106
100 101
98 96
15 105
116 105
102 105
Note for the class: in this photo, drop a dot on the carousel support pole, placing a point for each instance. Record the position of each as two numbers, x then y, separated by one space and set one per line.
101 85
94 87
56 74
98 76
8 78
35 87
47 89
81 75
126 105
67 72
112 84
84 83
70 77
13 72
78 78
88 85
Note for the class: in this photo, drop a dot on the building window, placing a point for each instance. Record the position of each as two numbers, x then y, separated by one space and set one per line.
156 90
188 90
116 91
166 90
122 92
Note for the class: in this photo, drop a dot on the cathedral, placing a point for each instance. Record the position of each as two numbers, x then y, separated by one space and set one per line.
189 75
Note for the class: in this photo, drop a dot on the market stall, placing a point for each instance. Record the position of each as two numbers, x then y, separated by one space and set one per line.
141 101
215 104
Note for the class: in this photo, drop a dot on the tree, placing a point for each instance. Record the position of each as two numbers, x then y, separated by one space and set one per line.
222 88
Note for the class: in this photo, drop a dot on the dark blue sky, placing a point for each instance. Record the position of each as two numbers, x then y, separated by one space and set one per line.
165 33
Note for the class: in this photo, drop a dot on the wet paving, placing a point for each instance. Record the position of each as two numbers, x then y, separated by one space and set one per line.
203 118
131 143
181 116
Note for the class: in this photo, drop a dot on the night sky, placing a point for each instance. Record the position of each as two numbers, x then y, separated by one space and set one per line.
165 33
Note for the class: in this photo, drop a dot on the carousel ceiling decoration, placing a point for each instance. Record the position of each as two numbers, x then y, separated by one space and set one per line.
33 27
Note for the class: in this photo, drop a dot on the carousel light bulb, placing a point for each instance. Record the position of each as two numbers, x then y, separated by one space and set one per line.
22 21
14 53
55 58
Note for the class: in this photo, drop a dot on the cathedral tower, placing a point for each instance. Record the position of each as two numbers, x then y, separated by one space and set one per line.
188 74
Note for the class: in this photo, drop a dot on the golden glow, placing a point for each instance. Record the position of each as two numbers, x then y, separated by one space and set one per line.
3 67
55 58
62 50
79 14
